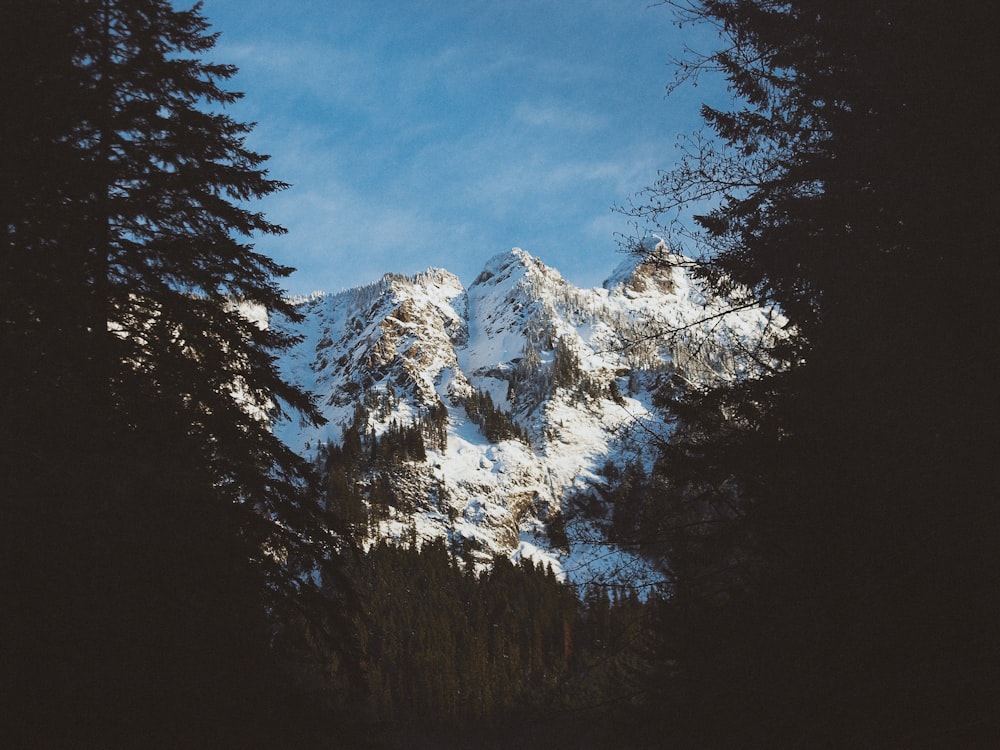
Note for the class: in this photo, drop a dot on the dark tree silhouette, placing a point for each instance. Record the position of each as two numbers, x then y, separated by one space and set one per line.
833 538
150 519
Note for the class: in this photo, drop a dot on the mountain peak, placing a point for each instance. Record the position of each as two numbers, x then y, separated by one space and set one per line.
501 266
515 261
659 270
522 387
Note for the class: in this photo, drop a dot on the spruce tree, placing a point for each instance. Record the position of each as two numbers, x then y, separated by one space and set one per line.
151 520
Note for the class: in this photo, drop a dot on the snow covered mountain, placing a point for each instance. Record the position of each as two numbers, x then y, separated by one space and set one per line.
523 390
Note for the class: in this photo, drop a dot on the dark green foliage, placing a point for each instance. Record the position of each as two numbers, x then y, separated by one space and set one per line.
444 646
435 426
512 653
566 371
829 523
532 381
555 530
615 393
361 475
342 475
496 424
631 503
528 384
400 443
150 519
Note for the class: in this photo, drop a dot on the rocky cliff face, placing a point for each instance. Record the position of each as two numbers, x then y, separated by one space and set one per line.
525 389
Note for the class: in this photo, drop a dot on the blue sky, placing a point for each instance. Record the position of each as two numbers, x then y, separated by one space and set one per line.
420 134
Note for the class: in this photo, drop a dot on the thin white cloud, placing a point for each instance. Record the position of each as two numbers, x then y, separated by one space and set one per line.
558 117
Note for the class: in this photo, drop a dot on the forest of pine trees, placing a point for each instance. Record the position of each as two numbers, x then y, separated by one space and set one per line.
508 655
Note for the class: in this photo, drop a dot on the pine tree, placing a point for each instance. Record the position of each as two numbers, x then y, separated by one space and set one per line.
143 545
830 516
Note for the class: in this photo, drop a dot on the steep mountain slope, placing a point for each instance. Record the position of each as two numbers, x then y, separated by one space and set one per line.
519 389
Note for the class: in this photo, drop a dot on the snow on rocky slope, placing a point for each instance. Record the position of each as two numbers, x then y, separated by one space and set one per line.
573 368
